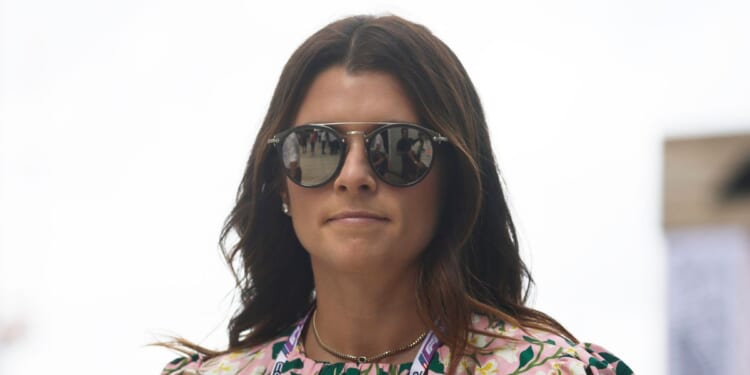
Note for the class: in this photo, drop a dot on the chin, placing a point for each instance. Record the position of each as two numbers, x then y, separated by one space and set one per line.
357 258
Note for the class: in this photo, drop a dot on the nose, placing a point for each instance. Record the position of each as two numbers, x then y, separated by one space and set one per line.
356 175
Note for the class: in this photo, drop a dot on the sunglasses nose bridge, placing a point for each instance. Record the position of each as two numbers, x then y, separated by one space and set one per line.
348 139
352 133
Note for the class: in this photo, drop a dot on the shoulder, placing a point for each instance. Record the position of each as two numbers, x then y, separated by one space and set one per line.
528 351
245 361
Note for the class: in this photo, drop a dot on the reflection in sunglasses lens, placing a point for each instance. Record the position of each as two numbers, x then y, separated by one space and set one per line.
401 155
312 156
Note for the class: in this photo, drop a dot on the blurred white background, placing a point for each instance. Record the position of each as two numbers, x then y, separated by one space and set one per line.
125 126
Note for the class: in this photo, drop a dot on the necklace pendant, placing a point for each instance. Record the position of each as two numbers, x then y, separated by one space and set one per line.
361 360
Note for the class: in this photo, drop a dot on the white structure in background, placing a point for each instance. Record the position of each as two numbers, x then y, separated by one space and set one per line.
709 257
708 332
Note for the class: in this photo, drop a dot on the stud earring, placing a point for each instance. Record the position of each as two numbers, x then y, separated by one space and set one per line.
285 208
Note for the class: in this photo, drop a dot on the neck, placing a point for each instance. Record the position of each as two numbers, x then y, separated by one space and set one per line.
365 317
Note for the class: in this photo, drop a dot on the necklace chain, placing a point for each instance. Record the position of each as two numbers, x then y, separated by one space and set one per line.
360 359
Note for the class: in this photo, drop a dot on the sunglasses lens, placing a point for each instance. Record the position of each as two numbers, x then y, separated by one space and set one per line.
311 155
401 155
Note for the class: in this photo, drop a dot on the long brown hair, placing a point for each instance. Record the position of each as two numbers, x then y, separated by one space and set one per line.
471 266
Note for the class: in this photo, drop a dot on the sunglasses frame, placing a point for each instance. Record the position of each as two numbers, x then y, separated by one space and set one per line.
277 140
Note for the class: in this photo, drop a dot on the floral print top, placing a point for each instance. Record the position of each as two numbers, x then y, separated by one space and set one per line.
524 351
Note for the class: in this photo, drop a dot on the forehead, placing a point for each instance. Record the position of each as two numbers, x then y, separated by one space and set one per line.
340 96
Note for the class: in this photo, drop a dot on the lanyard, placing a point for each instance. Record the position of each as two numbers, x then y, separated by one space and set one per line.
418 366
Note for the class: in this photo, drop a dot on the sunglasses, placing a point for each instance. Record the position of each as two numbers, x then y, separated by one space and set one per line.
400 154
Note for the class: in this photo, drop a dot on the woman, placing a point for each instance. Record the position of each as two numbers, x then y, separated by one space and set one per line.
348 268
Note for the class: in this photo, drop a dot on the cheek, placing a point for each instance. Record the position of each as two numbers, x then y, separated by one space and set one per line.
301 207
422 207
421 222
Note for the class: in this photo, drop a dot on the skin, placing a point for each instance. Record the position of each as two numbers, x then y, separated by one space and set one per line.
364 236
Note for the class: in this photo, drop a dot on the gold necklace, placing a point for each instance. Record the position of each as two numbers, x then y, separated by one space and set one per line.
360 359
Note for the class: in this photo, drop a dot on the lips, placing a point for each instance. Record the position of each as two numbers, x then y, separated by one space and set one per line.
357 217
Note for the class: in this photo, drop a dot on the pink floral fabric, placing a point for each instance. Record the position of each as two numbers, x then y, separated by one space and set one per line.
524 351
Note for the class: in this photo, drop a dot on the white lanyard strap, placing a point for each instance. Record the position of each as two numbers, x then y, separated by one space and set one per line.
424 356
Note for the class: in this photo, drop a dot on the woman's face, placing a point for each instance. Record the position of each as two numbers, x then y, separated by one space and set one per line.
357 222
